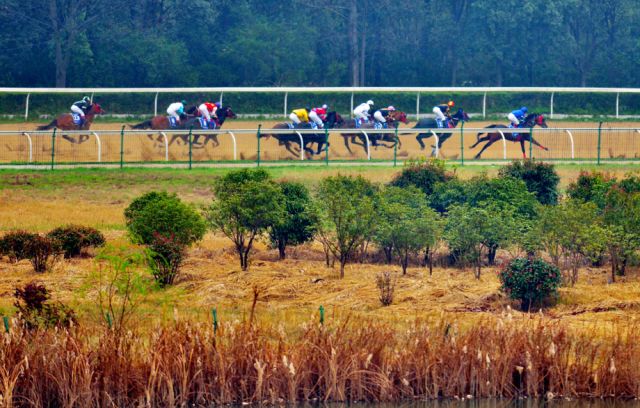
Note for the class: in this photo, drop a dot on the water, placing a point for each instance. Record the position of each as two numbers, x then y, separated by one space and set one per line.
494 403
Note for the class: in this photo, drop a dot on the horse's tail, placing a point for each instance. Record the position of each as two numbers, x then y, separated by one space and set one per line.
51 125
143 125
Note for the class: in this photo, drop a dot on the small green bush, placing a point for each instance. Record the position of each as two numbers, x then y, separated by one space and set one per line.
40 251
72 239
541 178
530 280
422 174
14 245
35 311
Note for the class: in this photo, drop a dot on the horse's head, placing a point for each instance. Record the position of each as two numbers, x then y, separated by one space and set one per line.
461 115
228 113
535 119
541 121
96 109
339 120
399 116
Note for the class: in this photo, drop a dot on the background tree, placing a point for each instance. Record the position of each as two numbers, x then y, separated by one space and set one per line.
299 223
347 215
247 203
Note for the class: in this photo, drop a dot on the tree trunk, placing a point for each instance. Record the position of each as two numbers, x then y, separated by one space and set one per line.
343 262
281 249
388 253
430 263
405 262
491 255
353 43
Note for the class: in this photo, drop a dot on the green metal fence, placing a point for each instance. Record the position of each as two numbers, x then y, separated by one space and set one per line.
119 148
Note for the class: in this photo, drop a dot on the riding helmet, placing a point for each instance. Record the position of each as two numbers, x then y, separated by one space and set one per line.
370 102
183 102
524 109
451 104
325 106
86 99
391 108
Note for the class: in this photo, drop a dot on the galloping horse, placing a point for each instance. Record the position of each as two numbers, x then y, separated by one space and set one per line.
461 115
530 121
223 114
288 139
394 116
65 122
161 122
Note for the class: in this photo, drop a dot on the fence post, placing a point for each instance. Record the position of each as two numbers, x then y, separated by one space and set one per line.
462 144
190 147
53 148
321 315
395 148
258 157
326 145
531 143
5 320
26 107
214 312
599 140
122 147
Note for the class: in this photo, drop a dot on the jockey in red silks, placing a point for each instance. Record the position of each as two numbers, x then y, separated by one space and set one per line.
208 110
319 115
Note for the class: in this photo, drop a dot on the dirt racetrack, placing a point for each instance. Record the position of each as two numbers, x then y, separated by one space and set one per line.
619 140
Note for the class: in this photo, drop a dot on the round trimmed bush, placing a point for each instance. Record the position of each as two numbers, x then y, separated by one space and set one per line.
14 244
72 239
530 280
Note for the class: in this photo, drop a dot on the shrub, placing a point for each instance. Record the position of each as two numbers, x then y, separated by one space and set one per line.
40 251
299 223
540 178
14 245
247 203
167 226
530 280
35 311
387 286
72 239
422 174
591 187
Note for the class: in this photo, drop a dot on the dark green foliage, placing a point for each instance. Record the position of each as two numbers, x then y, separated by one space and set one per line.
591 187
32 302
40 251
530 280
540 178
167 226
72 239
299 224
422 174
247 204
14 245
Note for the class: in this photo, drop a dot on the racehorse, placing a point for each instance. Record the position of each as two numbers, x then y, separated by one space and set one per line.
394 116
65 122
530 121
461 115
194 123
161 122
332 120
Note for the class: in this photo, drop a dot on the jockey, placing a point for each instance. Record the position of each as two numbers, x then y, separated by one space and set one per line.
81 108
176 109
362 111
300 115
319 115
442 112
208 109
381 115
517 116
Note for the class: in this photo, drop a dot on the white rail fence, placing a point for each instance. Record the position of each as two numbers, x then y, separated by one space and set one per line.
418 91
20 147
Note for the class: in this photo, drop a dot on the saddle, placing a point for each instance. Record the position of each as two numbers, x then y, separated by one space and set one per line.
77 119
208 124
173 122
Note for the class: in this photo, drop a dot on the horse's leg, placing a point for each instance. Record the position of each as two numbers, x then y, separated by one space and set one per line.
346 143
83 138
70 139
214 139
420 137
522 147
287 145
483 139
535 142
489 143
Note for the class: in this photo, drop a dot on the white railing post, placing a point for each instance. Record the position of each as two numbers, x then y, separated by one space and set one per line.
155 105
551 110
26 107
437 148
351 110
301 145
617 105
504 145
418 107
484 106
221 95
30 146
166 146
573 156
366 136
286 97
99 143
235 147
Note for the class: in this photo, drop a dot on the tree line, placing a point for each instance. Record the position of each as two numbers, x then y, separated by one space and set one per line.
67 43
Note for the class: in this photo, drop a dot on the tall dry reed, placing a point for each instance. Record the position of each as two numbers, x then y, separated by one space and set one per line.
187 364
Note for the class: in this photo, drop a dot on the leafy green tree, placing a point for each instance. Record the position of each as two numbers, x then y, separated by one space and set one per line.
348 215
247 204
540 178
591 187
167 226
472 231
621 216
299 223
422 174
530 280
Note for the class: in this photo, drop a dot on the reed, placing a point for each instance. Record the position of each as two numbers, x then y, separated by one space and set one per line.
186 364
